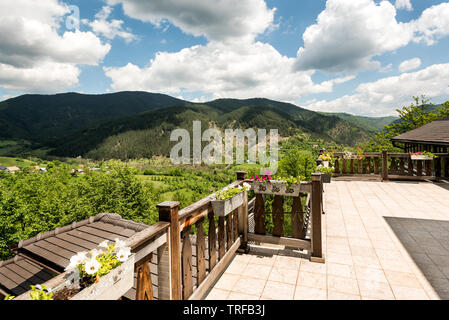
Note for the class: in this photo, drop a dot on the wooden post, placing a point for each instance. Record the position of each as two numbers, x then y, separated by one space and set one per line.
297 218
337 165
164 271
186 257
212 239
144 288
200 252
243 217
168 211
376 165
317 248
384 165
259 214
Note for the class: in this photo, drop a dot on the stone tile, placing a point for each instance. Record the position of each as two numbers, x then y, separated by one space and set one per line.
403 293
217 294
362 251
278 291
280 274
257 271
250 286
388 254
334 295
343 285
339 258
236 267
340 270
369 262
312 279
402 279
227 281
378 290
262 260
395 265
241 296
306 265
287 262
307 293
370 274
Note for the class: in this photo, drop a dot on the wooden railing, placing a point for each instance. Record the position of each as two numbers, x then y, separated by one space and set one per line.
390 166
300 216
188 265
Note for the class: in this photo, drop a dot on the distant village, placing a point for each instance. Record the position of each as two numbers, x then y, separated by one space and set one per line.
73 172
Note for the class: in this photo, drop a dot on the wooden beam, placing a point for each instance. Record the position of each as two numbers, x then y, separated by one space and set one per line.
283 241
316 235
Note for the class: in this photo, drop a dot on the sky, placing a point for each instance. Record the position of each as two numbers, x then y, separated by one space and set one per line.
364 57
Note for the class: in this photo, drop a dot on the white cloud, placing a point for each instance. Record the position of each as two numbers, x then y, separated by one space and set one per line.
349 34
384 96
410 64
109 29
31 43
403 4
432 25
216 20
245 70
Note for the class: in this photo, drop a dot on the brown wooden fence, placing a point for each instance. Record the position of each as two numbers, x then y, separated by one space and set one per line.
390 166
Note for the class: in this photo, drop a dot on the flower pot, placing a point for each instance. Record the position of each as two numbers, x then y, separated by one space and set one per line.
111 286
224 207
420 157
326 177
276 188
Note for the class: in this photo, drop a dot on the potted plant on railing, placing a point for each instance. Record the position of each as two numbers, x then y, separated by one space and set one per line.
104 274
326 173
229 199
283 186
326 158
422 155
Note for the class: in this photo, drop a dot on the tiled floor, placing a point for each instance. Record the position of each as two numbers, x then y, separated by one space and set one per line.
382 241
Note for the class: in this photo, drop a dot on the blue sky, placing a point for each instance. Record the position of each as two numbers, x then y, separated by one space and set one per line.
363 57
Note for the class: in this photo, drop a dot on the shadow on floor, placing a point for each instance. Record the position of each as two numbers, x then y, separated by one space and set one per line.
427 242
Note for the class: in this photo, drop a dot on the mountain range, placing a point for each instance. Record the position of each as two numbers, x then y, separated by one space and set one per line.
138 124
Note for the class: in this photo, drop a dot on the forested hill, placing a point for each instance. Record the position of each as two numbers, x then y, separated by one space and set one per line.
41 118
138 124
373 124
148 133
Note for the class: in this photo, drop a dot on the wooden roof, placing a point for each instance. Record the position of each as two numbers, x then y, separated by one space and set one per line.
49 253
435 133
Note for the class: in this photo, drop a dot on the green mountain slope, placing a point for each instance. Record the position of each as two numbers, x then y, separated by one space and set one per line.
148 133
43 118
372 124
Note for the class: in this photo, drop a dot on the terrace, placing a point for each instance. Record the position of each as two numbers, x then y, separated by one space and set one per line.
367 235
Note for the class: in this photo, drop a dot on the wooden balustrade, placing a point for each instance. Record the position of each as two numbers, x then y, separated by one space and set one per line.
300 216
393 166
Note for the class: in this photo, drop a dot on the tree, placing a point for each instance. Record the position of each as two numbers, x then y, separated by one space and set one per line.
297 163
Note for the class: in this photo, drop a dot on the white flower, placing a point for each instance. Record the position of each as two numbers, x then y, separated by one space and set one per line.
92 266
123 254
246 185
94 253
119 243
104 244
75 260
38 287
240 187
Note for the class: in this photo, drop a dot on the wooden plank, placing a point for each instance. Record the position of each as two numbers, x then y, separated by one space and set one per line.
148 247
337 165
186 258
359 166
278 216
259 214
229 235
402 166
200 249
221 238
168 212
367 165
428 167
352 166
144 289
164 271
297 218
410 166
376 165
283 241
384 165
316 211
413 178
393 166
212 240
343 165
213 275
148 234
437 166
235 220
419 168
